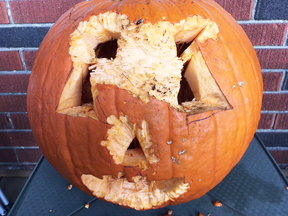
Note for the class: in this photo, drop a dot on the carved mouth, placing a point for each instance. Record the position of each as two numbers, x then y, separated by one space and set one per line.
140 194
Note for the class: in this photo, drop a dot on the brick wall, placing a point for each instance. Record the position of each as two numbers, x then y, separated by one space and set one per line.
23 24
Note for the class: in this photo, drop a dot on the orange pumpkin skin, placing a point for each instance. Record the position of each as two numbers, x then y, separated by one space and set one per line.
214 141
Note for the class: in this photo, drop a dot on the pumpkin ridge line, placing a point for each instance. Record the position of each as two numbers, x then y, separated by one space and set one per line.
221 18
70 29
206 117
175 7
62 37
216 151
231 60
101 107
187 124
103 122
68 77
71 11
43 80
66 135
248 52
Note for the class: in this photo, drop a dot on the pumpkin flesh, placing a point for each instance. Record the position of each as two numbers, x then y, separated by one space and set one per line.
139 194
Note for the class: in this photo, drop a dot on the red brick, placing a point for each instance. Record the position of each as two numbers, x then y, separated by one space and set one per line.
20 121
4 19
275 102
281 121
13 103
240 10
29 57
266 121
17 139
7 155
14 82
272 81
264 34
281 157
10 60
4 122
273 58
39 11
28 155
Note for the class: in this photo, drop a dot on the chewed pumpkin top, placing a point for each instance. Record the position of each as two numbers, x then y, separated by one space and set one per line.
123 58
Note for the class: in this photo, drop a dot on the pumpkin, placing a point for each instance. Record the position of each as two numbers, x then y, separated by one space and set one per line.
145 103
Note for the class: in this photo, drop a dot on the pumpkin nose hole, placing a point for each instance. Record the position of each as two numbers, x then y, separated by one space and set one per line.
107 50
185 92
134 144
135 156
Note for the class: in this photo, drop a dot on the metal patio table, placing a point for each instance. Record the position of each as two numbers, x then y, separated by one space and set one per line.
255 186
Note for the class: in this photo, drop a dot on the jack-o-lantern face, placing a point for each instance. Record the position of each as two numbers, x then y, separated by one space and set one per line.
145 110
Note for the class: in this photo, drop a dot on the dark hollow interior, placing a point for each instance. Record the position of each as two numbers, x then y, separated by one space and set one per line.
107 50
134 144
181 47
86 90
185 92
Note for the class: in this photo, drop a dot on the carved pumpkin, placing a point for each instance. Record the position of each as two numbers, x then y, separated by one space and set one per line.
145 103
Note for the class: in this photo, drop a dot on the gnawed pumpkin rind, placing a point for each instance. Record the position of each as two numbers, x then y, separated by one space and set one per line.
121 135
135 69
139 194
